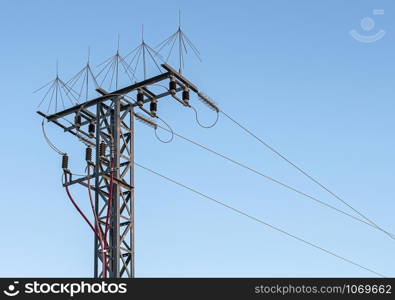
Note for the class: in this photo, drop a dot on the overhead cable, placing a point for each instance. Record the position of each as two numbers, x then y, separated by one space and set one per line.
240 212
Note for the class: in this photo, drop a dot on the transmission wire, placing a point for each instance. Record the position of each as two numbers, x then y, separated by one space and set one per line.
261 221
303 172
274 180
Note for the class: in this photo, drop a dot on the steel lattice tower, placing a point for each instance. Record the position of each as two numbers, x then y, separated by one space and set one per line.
113 116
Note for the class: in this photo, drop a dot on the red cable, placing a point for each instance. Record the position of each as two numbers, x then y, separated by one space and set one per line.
87 221
76 206
110 198
102 243
108 210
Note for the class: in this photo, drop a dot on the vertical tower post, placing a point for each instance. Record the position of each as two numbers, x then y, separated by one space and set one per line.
115 129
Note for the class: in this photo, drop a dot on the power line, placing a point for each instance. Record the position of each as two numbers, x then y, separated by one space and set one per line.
274 180
168 129
260 221
50 144
200 123
304 173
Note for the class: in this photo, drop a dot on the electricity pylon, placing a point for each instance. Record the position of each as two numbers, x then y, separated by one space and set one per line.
106 123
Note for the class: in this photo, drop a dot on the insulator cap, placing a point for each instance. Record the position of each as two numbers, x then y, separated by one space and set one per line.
140 98
91 130
172 86
77 120
153 107
102 149
208 102
88 154
145 120
185 95
65 162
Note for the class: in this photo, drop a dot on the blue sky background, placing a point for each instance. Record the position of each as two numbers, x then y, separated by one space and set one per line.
289 70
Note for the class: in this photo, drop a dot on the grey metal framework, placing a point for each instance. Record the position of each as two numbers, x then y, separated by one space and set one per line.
113 116
115 128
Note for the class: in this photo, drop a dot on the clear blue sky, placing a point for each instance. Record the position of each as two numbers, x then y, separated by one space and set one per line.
289 70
